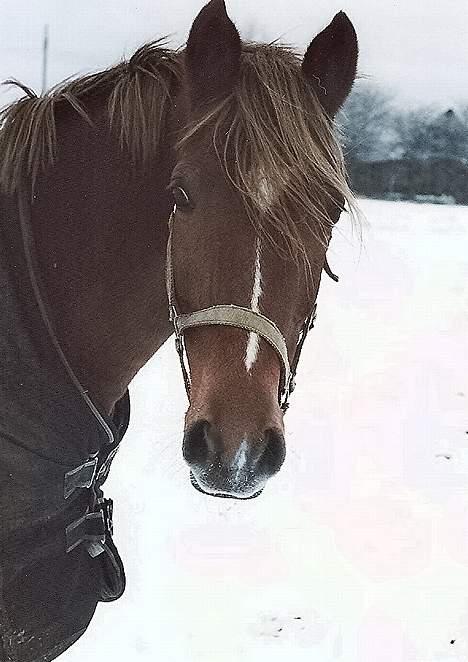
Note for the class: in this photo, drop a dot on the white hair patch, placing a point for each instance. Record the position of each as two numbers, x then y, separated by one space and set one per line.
251 353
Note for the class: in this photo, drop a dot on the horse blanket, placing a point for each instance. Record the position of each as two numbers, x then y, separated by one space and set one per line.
57 557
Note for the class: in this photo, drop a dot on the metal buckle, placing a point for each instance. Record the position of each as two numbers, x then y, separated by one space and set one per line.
107 508
91 528
80 477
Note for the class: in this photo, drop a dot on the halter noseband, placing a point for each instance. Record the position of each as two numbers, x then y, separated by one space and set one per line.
239 317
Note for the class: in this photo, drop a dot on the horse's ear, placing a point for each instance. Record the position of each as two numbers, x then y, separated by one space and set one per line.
212 55
330 63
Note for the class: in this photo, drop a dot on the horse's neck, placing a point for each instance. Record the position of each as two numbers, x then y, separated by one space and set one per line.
100 227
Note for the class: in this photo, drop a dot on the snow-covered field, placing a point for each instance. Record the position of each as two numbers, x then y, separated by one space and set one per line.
358 550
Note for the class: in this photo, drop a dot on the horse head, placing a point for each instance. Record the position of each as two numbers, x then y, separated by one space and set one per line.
258 184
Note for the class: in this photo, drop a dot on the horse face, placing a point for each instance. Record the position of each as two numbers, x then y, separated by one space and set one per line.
233 438
234 430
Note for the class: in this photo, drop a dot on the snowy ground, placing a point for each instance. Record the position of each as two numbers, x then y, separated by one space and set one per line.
358 550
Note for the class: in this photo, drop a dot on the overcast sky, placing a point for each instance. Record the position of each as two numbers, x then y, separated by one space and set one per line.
416 48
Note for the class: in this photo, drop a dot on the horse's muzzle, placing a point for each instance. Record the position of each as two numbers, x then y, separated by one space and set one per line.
231 470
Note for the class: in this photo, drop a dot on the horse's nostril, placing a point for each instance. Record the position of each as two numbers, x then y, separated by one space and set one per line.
195 447
243 473
274 452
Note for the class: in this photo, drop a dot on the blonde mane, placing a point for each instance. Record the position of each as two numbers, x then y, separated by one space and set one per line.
280 150
138 92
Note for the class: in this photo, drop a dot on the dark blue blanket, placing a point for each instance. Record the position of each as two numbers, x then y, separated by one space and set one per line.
57 558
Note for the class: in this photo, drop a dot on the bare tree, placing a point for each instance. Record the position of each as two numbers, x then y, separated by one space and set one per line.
366 121
427 133
414 133
463 114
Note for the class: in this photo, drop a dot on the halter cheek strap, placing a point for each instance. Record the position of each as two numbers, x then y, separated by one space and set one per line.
235 316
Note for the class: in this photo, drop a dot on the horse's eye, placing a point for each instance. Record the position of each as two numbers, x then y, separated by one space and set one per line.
181 198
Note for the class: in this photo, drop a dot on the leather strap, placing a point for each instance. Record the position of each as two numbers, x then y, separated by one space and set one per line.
170 287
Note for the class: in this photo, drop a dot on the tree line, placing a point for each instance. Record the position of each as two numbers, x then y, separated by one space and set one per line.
404 154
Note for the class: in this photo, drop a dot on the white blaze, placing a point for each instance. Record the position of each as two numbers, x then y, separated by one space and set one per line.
241 458
266 194
251 352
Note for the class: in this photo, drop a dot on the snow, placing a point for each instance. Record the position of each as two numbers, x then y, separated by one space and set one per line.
358 550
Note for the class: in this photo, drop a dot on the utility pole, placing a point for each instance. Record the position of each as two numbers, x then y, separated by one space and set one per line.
45 48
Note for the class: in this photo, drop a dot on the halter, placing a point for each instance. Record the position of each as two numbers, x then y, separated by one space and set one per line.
241 318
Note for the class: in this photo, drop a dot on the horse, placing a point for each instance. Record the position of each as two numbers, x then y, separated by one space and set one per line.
190 192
